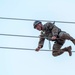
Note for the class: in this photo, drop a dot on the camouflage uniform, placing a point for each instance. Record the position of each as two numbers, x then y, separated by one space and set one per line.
52 30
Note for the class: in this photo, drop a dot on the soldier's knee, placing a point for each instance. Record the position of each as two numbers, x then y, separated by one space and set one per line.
54 54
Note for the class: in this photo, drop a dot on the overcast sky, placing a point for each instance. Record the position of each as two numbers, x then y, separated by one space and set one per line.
22 62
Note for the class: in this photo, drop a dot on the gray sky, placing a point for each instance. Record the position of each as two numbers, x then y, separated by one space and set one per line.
20 62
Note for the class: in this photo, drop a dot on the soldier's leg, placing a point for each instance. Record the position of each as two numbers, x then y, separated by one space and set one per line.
57 51
64 35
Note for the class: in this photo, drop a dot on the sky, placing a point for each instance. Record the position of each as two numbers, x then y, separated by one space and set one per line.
23 62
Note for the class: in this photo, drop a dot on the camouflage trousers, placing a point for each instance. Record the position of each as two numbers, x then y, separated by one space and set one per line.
59 43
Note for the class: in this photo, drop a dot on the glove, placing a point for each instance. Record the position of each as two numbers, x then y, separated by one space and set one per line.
38 48
54 38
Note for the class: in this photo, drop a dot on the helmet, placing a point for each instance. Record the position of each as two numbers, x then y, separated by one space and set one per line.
35 23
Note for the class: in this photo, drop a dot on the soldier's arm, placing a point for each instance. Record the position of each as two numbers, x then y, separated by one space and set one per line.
49 25
41 42
55 31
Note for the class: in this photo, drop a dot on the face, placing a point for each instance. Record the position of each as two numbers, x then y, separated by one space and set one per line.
39 27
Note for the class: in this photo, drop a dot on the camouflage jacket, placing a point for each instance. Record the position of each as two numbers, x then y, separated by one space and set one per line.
48 31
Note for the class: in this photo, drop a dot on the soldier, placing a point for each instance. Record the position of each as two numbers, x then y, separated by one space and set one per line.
52 33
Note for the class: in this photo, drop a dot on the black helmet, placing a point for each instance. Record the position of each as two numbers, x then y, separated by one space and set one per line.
35 23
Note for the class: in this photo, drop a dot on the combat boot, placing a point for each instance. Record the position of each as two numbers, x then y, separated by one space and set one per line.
68 49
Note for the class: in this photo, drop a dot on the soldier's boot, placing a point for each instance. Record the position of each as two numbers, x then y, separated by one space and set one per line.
68 49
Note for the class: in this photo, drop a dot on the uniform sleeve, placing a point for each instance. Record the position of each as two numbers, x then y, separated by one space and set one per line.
52 28
41 40
49 26
55 31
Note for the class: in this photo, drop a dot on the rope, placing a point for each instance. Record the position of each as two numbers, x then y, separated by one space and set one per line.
35 20
49 45
24 49
19 35
23 36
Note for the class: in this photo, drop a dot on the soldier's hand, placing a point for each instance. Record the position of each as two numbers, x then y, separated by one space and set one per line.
38 48
54 38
